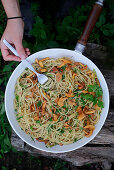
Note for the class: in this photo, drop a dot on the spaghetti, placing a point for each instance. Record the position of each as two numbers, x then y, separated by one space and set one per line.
63 110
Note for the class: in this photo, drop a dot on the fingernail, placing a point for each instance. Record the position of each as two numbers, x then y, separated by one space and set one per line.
23 57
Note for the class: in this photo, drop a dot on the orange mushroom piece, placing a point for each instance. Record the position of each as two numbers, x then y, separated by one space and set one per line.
36 118
86 108
42 140
80 85
70 94
58 77
89 112
89 130
84 91
93 93
72 102
84 67
44 105
61 101
36 61
97 107
30 75
32 108
68 68
40 64
74 75
79 109
43 70
55 117
67 126
64 61
54 69
44 59
81 116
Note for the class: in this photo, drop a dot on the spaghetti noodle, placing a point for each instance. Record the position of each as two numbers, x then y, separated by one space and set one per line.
63 110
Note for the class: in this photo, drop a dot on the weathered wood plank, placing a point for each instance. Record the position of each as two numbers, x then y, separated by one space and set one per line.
17 142
105 136
80 156
100 55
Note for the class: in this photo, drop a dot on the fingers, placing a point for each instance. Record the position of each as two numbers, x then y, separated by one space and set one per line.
20 49
6 55
27 51
9 56
12 58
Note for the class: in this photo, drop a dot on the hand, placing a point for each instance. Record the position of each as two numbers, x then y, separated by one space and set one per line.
14 35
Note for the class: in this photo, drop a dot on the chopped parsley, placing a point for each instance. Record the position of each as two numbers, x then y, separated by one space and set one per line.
39 103
57 110
32 139
89 116
81 128
19 117
75 140
26 69
100 104
31 127
89 97
17 98
38 121
62 131
66 108
76 107
46 90
63 67
95 88
51 119
75 70
63 77
70 130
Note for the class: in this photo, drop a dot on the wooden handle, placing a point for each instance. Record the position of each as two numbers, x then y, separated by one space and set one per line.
90 24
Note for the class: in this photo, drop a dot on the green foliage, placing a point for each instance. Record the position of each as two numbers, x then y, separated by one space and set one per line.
2 17
5 132
4 168
67 31
5 128
60 165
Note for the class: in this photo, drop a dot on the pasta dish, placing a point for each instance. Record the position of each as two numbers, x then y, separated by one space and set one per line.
64 109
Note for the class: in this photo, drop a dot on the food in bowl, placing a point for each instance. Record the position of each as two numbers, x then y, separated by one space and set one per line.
63 110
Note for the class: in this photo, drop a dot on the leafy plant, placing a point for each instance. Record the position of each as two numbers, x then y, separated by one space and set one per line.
5 132
60 165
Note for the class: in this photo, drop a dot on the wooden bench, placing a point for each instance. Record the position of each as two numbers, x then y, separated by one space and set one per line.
101 148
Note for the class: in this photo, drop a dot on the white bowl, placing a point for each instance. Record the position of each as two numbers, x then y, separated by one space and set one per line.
9 98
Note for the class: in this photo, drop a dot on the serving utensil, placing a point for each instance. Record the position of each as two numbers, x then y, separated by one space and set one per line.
41 77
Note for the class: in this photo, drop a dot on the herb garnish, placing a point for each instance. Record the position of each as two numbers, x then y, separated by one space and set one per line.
63 77
95 88
39 103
